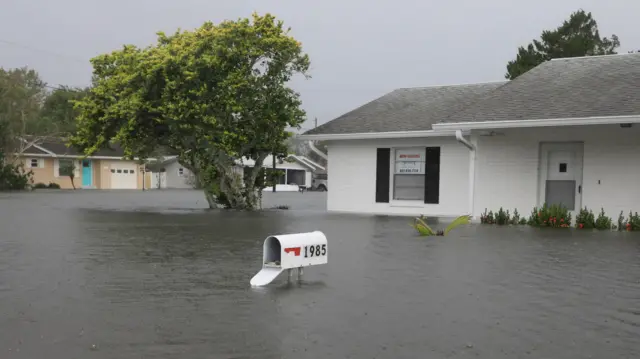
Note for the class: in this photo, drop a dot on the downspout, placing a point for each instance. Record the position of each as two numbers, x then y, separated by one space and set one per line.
472 168
464 141
317 151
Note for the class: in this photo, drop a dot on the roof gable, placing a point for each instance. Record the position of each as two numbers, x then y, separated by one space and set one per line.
595 86
59 147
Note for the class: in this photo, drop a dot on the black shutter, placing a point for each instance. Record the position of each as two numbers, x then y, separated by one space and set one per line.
432 176
383 166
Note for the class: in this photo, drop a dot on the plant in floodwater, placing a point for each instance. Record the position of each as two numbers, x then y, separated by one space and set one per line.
603 222
550 216
622 223
487 218
502 217
633 223
424 230
585 219
515 218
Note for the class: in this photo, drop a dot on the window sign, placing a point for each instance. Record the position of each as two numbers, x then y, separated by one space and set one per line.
410 161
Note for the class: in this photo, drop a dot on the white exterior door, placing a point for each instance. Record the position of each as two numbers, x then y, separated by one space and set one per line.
124 176
561 174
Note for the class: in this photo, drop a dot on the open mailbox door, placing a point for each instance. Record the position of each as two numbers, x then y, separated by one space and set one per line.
289 251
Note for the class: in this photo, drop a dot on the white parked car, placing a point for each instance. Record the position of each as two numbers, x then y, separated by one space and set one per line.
320 182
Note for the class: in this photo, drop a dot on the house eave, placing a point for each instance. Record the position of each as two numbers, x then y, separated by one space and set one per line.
376 135
552 122
26 154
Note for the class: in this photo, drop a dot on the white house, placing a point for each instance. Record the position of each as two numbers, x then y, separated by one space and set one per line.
171 174
567 131
295 170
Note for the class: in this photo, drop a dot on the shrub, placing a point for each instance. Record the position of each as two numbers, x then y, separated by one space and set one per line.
502 217
53 185
585 219
13 177
487 218
622 223
550 216
40 185
633 223
516 219
603 222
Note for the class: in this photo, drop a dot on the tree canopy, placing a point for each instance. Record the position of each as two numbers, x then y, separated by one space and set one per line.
577 36
214 95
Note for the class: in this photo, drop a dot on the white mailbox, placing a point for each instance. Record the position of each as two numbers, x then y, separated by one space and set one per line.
288 251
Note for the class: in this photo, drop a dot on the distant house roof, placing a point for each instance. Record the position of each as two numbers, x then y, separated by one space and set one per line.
58 147
406 109
249 162
594 86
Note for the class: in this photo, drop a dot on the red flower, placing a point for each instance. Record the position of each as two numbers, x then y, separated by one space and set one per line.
581 225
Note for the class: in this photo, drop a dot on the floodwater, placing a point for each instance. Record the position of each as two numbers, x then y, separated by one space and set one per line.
91 274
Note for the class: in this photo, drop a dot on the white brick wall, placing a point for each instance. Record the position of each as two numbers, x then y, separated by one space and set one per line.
507 168
352 178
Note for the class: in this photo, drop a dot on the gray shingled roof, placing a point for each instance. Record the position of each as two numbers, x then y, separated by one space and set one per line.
59 147
564 88
407 109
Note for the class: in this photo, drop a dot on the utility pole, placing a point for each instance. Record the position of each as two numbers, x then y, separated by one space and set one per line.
316 122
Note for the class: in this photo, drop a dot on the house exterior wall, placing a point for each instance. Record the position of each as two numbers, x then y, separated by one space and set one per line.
507 168
46 172
352 170
174 179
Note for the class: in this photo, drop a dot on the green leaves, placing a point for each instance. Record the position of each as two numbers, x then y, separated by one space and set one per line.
424 230
577 36
218 92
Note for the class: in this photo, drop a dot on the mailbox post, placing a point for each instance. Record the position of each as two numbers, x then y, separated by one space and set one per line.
290 251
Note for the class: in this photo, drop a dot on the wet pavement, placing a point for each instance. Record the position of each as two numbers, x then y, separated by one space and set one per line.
123 274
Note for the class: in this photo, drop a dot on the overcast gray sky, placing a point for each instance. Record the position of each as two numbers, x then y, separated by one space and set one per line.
360 49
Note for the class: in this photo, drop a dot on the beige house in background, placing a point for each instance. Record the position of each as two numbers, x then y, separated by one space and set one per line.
104 170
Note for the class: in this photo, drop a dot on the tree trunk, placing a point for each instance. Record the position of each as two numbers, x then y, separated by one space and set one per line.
223 187
211 200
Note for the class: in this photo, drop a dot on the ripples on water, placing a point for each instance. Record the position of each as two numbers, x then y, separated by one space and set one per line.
155 275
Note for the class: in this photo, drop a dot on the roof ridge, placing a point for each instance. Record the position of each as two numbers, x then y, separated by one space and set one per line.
591 56
453 85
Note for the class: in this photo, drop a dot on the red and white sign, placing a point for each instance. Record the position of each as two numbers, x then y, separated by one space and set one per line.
410 161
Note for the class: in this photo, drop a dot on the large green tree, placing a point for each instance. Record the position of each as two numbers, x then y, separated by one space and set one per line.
577 36
213 95
22 94
58 114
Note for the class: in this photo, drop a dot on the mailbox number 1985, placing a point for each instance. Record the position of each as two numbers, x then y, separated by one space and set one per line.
315 251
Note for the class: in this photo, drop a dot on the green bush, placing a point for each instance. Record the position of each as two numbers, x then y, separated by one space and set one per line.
502 217
622 223
53 185
603 222
633 223
40 185
13 177
487 218
550 216
585 219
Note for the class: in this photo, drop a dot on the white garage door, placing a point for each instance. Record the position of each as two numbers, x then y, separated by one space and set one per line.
124 176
